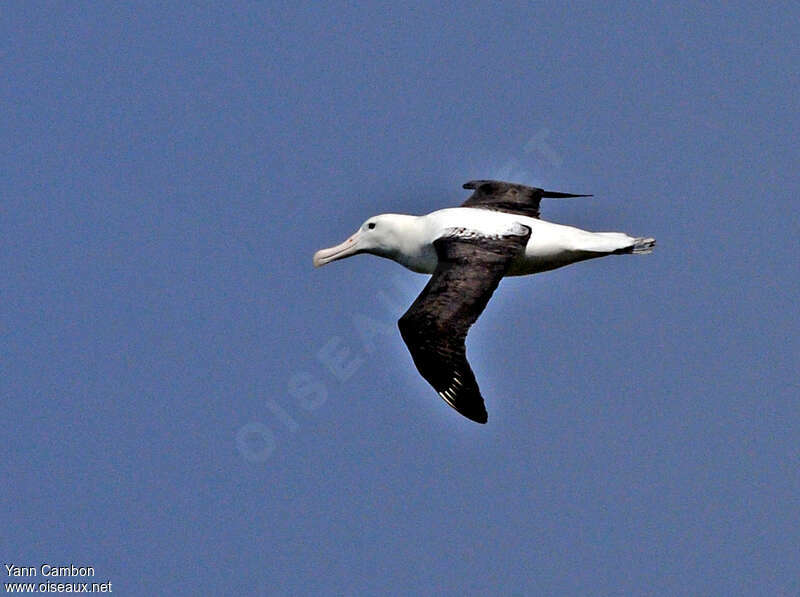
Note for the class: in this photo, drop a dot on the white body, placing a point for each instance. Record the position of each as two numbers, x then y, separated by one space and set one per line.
549 246
409 239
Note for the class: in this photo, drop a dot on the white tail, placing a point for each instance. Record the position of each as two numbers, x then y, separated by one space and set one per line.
616 243
643 246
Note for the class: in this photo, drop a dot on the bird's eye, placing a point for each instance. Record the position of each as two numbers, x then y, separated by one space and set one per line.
371 225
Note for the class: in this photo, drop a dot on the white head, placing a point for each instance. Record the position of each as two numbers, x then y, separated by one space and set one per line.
385 235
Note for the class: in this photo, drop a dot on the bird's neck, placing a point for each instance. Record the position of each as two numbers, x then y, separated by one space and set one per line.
410 245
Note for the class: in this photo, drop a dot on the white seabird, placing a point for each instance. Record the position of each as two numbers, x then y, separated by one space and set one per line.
469 249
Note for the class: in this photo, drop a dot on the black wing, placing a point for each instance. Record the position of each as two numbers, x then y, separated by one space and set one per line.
435 326
510 197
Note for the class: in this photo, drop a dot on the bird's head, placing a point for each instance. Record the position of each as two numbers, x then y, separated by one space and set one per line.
380 235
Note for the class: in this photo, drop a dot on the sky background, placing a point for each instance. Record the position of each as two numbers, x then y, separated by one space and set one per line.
191 408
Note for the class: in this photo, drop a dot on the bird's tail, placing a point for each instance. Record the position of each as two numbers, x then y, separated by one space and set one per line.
642 246
615 243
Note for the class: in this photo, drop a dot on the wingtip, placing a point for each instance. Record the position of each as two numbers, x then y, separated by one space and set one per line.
477 416
558 195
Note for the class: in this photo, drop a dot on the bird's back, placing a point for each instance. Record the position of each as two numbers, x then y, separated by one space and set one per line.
550 245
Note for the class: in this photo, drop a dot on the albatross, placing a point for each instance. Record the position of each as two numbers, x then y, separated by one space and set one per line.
496 232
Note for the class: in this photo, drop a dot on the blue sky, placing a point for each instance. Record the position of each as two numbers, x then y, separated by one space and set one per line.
191 408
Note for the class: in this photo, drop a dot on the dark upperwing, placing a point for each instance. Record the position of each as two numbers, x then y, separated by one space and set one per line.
510 197
435 326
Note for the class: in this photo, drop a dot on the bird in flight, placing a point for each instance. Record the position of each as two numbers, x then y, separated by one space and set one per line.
495 233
